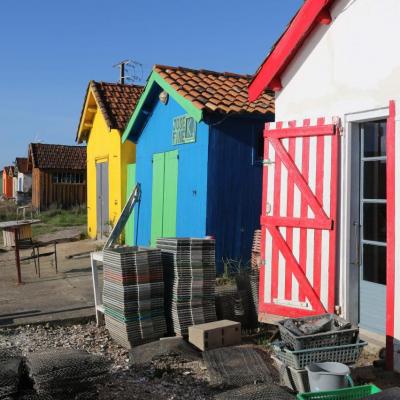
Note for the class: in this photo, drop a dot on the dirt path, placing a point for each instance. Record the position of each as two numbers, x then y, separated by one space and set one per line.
67 294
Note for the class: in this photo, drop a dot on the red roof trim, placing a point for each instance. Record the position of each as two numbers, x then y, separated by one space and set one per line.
312 13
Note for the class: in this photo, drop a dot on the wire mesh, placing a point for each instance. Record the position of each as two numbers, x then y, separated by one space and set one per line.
65 372
236 366
10 371
170 346
256 392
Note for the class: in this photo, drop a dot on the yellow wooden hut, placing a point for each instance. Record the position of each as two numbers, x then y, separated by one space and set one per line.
106 110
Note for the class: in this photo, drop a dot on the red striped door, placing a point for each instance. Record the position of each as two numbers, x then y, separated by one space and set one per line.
299 218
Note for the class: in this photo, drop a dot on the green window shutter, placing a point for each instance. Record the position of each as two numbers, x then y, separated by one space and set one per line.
130 184
157 200
170 194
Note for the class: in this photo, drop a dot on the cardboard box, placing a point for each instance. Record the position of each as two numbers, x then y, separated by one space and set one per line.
215 334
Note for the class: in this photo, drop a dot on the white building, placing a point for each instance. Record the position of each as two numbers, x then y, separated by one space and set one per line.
23 177
331 216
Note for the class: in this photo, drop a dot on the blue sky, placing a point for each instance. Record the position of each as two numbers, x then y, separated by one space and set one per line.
50 49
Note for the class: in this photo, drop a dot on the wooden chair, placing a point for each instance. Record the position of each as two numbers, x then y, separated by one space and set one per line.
34 246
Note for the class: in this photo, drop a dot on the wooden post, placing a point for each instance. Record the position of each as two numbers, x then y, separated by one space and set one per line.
17 260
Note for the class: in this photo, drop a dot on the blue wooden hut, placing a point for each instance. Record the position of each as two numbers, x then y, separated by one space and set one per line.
199 158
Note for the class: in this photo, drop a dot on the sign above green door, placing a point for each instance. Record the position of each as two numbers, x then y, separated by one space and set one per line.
183 129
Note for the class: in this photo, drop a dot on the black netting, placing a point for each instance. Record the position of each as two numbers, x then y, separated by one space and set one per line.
225 302
65 372
9 352
170 346
236 366
256 392
35 396
10 371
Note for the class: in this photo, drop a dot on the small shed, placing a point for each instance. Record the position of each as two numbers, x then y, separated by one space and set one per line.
8 174
58 175
106 110
199 158
331 189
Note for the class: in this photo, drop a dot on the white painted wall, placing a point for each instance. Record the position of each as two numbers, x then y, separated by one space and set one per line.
26 181
348 66
349 69
15 186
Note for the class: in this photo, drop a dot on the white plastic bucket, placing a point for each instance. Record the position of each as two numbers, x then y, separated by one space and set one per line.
328 376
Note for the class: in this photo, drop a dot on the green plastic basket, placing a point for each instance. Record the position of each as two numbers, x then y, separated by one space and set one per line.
353 393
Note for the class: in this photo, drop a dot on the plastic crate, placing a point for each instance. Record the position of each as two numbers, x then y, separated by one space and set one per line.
323 339
299 359
353 393
295 379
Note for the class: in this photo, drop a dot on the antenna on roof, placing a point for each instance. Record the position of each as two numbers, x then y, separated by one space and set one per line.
37 139
129 71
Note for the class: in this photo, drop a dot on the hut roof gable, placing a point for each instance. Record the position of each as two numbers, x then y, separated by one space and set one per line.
199 91
310 14
116 102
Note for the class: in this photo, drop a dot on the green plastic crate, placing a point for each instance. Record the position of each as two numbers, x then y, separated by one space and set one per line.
353 393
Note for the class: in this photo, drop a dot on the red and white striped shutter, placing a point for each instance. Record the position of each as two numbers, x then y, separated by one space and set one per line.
300 185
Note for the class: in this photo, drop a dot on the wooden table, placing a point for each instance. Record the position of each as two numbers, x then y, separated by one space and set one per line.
14 231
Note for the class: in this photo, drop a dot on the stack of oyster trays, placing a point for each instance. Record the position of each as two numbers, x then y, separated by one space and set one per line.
133 295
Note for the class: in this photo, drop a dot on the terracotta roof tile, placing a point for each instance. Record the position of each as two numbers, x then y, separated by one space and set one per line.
57 156
211 106
214 91
117 101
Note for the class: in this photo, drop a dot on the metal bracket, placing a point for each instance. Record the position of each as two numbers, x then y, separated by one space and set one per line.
268 162
292 303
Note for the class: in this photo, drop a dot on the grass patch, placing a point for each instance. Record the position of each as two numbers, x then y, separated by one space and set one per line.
8 210
61 218
54 220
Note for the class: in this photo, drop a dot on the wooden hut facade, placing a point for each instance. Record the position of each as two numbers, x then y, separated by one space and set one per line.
8 173
198 159
58 175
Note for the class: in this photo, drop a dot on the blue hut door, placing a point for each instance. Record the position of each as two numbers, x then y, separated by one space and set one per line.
164 195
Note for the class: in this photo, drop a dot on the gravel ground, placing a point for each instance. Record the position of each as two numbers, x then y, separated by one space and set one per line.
167 377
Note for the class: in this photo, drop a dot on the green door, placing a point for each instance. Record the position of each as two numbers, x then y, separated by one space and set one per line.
130 185
164 195
157 197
